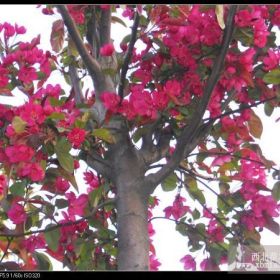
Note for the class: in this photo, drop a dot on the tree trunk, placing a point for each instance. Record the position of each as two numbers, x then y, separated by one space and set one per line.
132 211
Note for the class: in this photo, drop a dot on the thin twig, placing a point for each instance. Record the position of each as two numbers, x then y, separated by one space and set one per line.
7 248
16 235
128 56
241 108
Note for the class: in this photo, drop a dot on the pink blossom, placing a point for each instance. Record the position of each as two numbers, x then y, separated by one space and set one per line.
34 242
215 232
19 153
91 179
177 210
111 101
271 60
32 170
61 185
3 185
76 136
17 214
32 113
189 262
220 160
76 204
154 263
107 50
27 74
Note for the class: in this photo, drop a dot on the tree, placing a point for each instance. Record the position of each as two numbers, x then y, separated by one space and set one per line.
180 104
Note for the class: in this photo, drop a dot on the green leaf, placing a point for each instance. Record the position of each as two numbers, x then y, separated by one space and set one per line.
18 189
268 109
52 238
61 203
66 161
139 133
63 145
276 191
193 190
95 196
273 77
170 183
126 39
56 116
182 229
62 149
196 214
104 134
232 251
43 261
18 124
118 20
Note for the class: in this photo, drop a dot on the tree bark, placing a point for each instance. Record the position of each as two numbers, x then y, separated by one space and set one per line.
132 210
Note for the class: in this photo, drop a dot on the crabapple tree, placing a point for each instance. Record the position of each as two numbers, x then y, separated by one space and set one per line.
171 107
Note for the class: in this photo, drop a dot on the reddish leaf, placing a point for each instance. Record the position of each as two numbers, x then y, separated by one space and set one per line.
255 125
57 35
272 225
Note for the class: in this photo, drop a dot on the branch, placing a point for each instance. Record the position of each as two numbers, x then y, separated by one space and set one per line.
97 163
241 108
188 139
16 235
194 176
128 56
91 34
233 155
105 27
9 239
91 63
75 81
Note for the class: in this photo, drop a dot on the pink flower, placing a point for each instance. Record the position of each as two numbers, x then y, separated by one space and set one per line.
19 153
111 101
76 204
20 29
17 214
189 262
32 113
107 50
61 185
77 137
215 232
105 7
77 12
32 170
154 263
91 179
151 230
3 77
34 242
27 74
3 185
177 210
271 61
208 214
9 30
220 160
